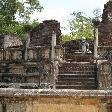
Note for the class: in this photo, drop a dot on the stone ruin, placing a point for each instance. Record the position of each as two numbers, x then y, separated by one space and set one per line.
42 61
105 27
42 67
73 51
105 33
28 64
42 34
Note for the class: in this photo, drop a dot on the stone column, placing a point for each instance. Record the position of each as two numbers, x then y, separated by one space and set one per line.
96 23
96 42
53 57
27 45
53 46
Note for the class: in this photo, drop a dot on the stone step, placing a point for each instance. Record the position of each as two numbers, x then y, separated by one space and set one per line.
77 79
78 58
77 67
89 87
62 71
77 72
75 83
76 76
78 63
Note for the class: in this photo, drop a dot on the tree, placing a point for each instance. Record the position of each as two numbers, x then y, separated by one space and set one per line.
97 13
66 37
22 8
81 25
8 9
16 28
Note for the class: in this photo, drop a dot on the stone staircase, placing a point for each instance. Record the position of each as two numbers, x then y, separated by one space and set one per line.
78 75
79 57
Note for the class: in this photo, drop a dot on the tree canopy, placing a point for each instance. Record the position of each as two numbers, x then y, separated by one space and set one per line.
81 25
23 8
66 37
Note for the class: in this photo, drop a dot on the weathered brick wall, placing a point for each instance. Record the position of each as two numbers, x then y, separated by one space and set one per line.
105 52
10 41
42 34
105 75
105 27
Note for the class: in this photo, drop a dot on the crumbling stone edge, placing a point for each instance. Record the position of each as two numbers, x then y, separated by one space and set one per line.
11 92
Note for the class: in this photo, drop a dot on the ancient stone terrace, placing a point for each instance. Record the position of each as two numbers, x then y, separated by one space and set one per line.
42 75
41 61
24 63
33 100
35 64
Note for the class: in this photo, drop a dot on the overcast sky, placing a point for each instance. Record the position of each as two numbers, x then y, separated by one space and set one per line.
61 9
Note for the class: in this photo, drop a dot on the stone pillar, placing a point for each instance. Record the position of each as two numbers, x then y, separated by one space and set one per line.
96 42
27 45
53 57
96 23
53 46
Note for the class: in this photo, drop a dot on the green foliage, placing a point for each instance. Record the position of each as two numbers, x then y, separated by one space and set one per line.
16 28
81 25
8 9
24 8
67 38
97 13
27 7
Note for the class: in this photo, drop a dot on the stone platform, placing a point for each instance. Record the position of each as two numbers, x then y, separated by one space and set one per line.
41 100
